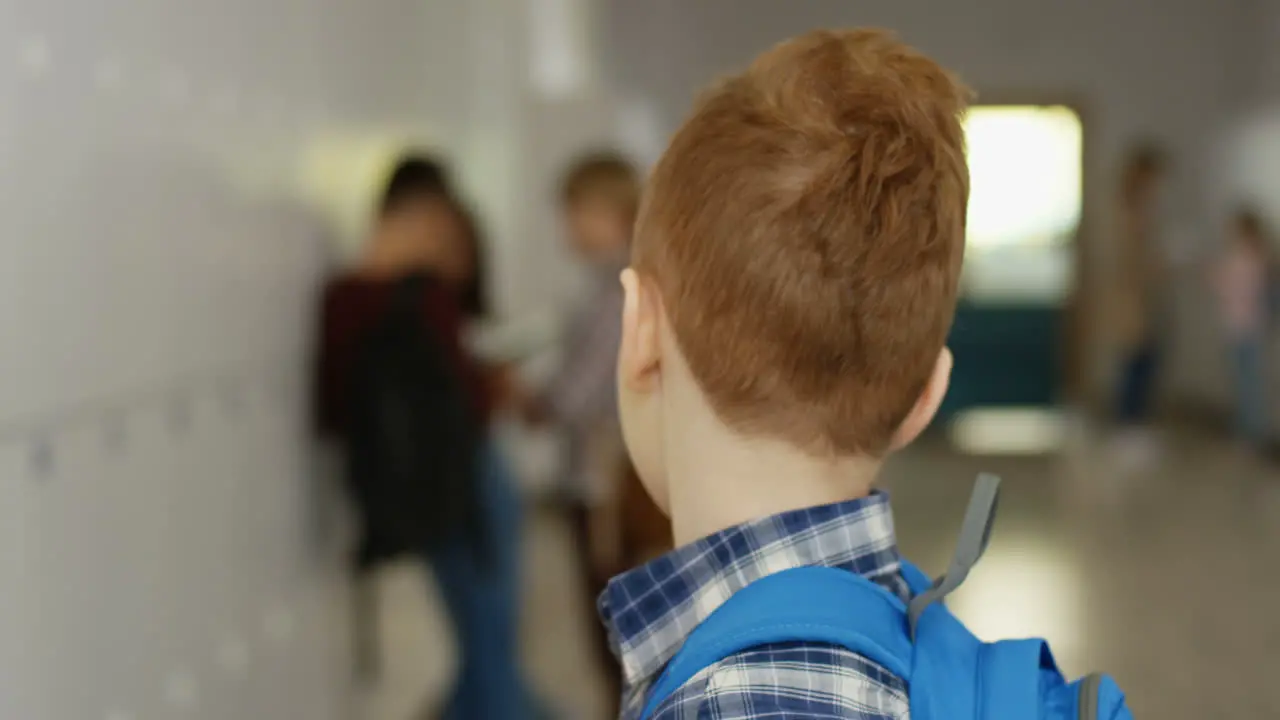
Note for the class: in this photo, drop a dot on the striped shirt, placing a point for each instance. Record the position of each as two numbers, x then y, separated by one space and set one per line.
650 610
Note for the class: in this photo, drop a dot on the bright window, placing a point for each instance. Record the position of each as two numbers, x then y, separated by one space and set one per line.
1024 169
1024 203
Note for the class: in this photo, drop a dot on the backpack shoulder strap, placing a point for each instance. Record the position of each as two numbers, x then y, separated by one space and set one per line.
955 674
808 604
828 605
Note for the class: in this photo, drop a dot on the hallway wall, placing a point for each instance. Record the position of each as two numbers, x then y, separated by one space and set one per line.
161 550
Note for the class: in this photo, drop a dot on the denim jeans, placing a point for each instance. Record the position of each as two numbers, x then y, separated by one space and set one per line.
483 602
1137 379
1252 424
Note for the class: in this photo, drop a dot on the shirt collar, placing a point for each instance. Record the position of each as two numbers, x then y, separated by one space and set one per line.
649 611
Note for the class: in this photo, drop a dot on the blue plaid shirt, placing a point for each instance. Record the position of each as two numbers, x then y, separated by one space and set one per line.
650 610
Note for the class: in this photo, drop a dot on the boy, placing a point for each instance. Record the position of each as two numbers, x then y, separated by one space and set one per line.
793 280
616 525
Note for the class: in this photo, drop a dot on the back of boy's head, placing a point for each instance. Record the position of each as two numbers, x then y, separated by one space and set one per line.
602 175
805 231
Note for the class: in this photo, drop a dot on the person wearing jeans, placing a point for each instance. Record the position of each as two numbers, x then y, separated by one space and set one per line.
420 230
1242 279
1140 302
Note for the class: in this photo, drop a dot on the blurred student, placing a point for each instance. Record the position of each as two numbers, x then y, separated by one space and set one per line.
1140 302
1243 279
617 525
410 407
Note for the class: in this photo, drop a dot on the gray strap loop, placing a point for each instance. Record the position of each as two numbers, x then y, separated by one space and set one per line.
975 533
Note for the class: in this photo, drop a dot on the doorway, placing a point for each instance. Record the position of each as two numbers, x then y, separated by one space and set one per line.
1020 279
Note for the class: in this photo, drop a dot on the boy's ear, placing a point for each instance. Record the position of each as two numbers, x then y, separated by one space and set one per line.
927 404
640 354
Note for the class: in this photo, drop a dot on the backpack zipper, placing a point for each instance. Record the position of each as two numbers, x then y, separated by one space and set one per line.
1088 705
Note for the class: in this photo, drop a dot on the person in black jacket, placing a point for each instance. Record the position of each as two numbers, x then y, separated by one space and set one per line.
421 468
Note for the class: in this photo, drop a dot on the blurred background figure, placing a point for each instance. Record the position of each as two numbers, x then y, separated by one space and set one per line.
1244 279
411 408
615 525
1141 303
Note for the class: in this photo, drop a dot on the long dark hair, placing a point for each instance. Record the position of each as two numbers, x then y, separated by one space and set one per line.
474 293
414 177
423 175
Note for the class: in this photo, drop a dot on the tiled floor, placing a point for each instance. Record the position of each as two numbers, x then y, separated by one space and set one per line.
1168 579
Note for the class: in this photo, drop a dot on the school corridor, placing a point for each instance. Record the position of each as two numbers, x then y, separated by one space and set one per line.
180 178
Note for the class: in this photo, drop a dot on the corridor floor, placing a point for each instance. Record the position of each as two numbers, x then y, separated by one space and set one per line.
1167 579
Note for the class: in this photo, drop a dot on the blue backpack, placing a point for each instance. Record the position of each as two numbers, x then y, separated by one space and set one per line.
951 675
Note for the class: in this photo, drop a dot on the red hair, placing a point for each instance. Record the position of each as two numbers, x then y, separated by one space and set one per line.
805 229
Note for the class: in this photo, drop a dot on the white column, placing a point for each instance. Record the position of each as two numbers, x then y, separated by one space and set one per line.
536 102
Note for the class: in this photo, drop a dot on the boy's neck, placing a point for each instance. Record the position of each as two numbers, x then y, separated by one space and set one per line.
718 479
